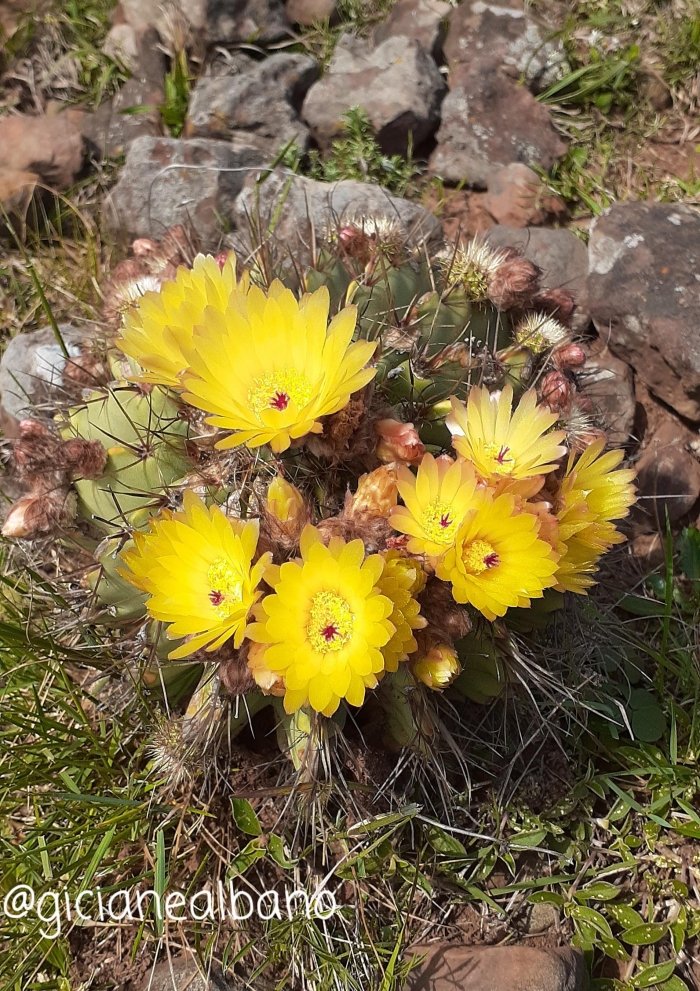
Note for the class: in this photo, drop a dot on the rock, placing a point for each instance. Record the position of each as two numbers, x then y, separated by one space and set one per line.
643 293
488 120
16 191
209 22
51 146
263 100
305 208
461 212
609 383
110 131
649 547
517 197
166 181
397 83
424 21
449 967
32 370
501 35
668 476
561 255
308 12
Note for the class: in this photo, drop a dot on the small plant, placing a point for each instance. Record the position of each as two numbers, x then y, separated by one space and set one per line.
177 95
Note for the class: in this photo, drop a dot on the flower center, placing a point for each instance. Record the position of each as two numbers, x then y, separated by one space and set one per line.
276 390
440 522
502 461
225 588
331 622
479 556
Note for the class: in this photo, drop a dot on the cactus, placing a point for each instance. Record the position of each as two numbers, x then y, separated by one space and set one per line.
146 454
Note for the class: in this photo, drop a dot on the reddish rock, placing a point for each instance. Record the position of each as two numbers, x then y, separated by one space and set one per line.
308 12
449 967
609 383
488 121
424 21
16 190
643 292
668 476
517 197
51 146
649 548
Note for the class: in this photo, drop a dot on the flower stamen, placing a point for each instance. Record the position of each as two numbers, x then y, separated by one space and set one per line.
225 588
479 556
331 622
276 390
439 522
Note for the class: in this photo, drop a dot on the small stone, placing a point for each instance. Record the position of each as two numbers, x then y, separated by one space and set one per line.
166 181
643 293
561 255
263 100
424 21
668 476
609 383
304 209
504 36
517 197
397 83
16 191
209 23
488 121
32 371
309 12
449 967
649 547
185 975
51 146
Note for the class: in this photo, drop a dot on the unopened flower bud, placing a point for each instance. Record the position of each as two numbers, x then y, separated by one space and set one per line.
398 442
143 246
557 303
377 493
514 283
270 682
40 514
556 391
569 356
84 458
438 668
221 260
284 501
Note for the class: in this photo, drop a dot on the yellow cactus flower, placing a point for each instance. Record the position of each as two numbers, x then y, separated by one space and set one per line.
402 580
284 500
437 499
377 493
500 444
159 329
196 566
592 494
272 367
269 682
438 668
498 560
326 623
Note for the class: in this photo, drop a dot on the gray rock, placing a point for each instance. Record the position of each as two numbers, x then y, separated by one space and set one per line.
210 22
451 967
32 370
308 12
502 35
50 145
488 121
424 21
609 383
517 197
263 100
397 83
643 293
561 255
303 209
194 182
116 123
184 975
668 476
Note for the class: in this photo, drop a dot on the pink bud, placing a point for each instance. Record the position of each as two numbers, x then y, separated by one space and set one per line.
221 260
143 246
569 356
398 442
555 391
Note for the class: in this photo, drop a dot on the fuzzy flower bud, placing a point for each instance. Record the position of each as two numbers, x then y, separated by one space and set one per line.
514 283
284 501
84 458
40 514
398 442
377 493
558 303
556 391
569 356
438 668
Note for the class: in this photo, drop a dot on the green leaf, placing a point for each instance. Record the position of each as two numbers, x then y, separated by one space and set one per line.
654 974
689 548
625 915
254 850
546 896
585 914
607 984
442 842
613 948
674 984
601 891
245 818
275 847
645 935
528 839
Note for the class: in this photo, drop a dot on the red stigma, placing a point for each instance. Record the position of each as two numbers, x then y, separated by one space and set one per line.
329 633
216 598
280 401
445 520
502 454
492 560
